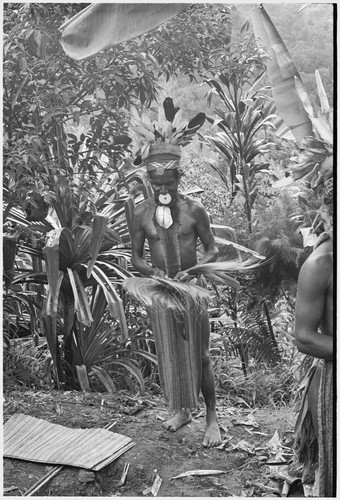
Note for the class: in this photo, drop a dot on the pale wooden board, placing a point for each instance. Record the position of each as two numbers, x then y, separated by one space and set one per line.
36 440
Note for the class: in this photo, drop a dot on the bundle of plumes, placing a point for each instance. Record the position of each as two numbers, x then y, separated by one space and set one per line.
165 294
216 272
169 128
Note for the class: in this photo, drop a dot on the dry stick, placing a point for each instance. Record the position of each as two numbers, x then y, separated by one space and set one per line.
125 471
42 481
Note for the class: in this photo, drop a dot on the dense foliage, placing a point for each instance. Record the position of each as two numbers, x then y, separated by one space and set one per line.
69 186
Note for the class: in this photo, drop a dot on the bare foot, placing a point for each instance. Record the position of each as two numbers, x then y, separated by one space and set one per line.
178 420
212 435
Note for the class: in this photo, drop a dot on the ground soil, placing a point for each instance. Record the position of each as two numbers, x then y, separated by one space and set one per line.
253 440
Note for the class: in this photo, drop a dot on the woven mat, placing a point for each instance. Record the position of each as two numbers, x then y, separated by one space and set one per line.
36 440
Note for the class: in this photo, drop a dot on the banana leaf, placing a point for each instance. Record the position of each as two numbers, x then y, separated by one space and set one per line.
325 108
102 25
282 73
321 124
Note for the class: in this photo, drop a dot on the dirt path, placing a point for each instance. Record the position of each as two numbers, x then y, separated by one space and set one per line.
249 442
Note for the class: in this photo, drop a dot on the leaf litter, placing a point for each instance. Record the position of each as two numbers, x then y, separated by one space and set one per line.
243 459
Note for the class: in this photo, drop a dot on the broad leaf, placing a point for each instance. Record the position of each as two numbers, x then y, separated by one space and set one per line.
282 72
114 301
132 368
98 231
82 306
51 257
101 25
105 378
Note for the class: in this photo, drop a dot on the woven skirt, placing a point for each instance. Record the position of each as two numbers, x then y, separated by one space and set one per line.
315 450
327 438
179 352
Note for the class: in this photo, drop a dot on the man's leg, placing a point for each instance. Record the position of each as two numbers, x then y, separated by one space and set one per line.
212 436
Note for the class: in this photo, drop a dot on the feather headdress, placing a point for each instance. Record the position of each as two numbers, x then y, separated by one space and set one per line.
160 141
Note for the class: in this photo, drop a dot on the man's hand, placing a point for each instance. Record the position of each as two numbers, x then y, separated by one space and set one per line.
158 273
184 276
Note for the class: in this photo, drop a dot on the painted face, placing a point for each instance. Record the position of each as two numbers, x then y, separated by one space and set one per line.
165 186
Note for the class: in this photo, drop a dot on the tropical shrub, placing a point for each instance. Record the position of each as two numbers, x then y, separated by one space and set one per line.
244 111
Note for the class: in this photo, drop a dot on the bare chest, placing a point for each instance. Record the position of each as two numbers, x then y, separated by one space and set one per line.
186 225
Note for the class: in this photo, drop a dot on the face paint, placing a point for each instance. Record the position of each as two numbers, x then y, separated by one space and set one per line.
165 187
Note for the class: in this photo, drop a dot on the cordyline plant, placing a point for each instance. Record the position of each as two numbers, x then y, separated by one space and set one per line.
244 114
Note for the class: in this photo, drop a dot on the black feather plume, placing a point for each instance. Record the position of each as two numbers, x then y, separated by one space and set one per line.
169 109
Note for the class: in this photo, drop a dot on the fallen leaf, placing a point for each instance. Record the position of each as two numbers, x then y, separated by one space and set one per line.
156 485
275 448
281 472
10 488
275 443
249 431
248 493
199 473
200 414
224 443
262 487
245 446
250 422
224 429
159 417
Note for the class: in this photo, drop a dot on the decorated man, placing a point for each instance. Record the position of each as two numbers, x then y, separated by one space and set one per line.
172 223
169 225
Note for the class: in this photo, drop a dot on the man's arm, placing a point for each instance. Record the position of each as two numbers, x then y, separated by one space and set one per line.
138 241
313 282
203 231
205 234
